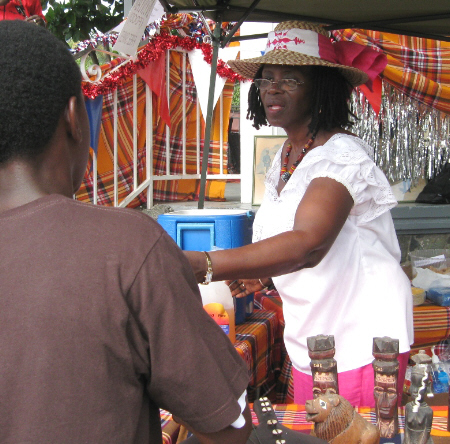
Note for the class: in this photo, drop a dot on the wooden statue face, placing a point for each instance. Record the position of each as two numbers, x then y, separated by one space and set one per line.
323 382
385 393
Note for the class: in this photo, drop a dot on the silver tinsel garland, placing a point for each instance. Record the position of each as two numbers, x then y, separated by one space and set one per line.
410 140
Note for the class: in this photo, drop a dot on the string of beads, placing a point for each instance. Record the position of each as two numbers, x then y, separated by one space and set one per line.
284 173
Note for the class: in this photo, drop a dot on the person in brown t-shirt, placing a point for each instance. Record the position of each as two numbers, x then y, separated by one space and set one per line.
101 320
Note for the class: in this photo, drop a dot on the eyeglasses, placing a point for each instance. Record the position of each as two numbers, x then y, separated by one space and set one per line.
283 84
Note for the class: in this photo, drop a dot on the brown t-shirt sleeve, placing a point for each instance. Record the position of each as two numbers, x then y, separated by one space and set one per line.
192 369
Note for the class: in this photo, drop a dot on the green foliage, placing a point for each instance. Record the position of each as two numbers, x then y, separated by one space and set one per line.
76 19
236 100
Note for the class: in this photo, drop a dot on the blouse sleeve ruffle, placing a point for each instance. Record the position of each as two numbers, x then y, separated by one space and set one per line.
346 160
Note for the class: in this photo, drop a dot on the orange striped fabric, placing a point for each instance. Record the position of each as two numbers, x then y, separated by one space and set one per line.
431 325
293 416
416 66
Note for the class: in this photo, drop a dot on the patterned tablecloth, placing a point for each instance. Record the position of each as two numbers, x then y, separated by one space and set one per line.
169 427
259 341
431 325
293 416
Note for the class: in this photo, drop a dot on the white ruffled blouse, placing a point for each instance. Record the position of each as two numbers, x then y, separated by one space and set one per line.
358 291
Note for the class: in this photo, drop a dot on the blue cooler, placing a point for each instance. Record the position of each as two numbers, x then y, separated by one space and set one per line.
206 230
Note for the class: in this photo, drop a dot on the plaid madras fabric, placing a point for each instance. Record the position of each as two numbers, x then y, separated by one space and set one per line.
173 190
105 174
284 392
255 343
416 66
431 325
293 416
170 428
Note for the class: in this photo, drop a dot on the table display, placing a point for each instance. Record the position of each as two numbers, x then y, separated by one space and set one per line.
431 326
293 416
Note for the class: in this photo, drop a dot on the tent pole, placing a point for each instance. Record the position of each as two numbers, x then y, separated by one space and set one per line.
209 113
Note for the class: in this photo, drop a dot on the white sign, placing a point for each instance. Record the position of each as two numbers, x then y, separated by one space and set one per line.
131 34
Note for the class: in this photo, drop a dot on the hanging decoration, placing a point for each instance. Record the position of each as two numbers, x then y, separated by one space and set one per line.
96 40
149 53
410 139
184 31
411 135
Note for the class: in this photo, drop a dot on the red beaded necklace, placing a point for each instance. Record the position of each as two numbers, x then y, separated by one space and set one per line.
284 173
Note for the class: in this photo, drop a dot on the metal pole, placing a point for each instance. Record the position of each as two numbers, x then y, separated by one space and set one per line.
209 113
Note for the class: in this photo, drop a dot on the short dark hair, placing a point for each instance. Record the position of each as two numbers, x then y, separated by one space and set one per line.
37 78
330 101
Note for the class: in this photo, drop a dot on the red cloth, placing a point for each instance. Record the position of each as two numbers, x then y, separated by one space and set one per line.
154 74
31 7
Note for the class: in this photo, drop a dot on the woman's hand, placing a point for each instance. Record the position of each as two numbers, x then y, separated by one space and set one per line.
244 287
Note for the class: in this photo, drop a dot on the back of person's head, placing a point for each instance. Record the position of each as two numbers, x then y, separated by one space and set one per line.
37 78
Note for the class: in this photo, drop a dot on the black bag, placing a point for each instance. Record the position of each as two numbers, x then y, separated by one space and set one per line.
437 190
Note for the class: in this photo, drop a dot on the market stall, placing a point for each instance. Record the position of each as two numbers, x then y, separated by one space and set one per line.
405 18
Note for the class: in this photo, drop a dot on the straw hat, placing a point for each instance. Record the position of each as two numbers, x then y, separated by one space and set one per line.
298 43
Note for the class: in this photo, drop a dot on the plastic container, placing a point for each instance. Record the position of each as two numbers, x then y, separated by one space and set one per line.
440 376
202 230
218 301
244 308
431 272
418 295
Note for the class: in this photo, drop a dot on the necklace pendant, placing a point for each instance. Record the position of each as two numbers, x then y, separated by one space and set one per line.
286 176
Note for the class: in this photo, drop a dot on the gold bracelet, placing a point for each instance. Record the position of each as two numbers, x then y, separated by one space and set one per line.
209 270
265 287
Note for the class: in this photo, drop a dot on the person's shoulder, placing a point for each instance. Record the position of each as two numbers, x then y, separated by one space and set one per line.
110 219
341 149
349 142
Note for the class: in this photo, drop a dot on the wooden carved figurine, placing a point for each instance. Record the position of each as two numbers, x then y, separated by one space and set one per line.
385 366
418 414
335 420
323 365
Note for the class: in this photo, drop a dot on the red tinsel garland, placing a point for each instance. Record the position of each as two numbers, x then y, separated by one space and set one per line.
151 52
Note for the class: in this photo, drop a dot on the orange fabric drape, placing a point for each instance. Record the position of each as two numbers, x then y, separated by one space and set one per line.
418 67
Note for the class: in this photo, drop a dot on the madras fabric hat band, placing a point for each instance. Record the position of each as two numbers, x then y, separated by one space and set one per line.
302 43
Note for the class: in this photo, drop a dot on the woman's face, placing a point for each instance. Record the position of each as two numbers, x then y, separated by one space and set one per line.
287 109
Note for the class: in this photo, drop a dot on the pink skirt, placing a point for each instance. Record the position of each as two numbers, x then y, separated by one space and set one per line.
354 385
